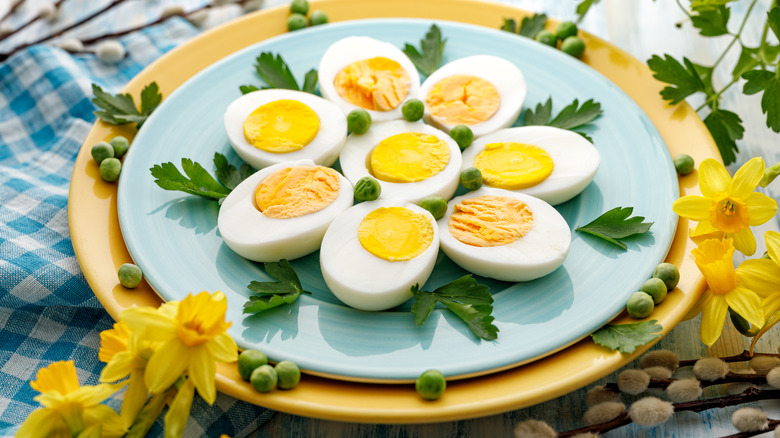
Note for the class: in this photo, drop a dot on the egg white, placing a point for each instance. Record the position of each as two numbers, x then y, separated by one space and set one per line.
363 280
255 236
541 251
505 76
324 147
357 153
357 48
575 159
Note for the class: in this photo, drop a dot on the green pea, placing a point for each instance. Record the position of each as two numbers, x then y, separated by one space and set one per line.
684 164
299 7
412 110
656 288
296 21
120 145
288 374
367 189
574 46
317 18
431 385
462 135
129 275
109 169
248 360
471 178
546 37
434 204
565 30
668 273
264 378
640 305
101 151
358 121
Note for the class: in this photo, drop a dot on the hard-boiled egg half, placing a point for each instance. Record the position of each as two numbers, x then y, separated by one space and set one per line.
373 253
549 163
504 235
272 126
282 211
410 160
483 92
361 72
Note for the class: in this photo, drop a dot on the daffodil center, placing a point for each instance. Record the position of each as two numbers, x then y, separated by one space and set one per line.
728 214
191 335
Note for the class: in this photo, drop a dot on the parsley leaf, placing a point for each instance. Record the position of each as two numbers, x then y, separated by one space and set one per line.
684 80
310 81
615 224
583 7
198 181
769 83
627 337
571 117
120 109
227 174
509 25
277 74
247 89
712 22
273 294
704 5
470 301
428 59
773 18
530 26
726 128
540 116
748 59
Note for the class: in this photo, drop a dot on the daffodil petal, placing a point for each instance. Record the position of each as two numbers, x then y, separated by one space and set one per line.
771 305
166 365
50 399
748 304
713 178
224 348
93 395
112 425
179 411
744 241
696 208
747 177
772 240
43 423
761 208
118 367
134 398
149 324
762 276
713 315
202 373
699 306
704 227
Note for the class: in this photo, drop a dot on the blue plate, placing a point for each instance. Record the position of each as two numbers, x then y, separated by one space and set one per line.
174 239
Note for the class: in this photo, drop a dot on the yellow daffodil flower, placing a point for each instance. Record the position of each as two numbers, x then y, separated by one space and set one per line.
191 340
70 409
728 207
726 288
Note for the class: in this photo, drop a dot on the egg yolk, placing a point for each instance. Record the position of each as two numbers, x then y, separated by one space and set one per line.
297 191
463 100
490 221
281 126
513 166
395 233
409 157
378 84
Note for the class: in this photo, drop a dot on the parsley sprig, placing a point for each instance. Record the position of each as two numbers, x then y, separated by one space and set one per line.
270 294
277 74
529 26
118 109
627 337
428 58
616 224
571 117
467 299
197 181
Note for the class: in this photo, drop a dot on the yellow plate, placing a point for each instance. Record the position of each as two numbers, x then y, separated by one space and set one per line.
100 249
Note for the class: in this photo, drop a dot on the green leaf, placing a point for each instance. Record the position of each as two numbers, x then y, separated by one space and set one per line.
468 300
310 81
247 89
684 80
748 60
275 72
705 5
227 174
429 57
120 109
572 116
773 18
540 116
286 290
616 224
627 337
757 81
712 22
530 26
583 7
150 98
199 183
726 128
509 25
769 83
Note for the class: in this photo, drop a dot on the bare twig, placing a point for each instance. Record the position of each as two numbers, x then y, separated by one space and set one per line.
120 33
11 10
731 377
31 21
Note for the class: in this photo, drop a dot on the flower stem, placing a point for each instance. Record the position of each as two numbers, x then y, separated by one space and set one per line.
149 414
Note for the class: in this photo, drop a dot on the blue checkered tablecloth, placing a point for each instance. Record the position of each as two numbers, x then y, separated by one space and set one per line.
47 310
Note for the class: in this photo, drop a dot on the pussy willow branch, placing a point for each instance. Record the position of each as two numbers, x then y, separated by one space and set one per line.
741 357
772 424
31 21
11 10
730 377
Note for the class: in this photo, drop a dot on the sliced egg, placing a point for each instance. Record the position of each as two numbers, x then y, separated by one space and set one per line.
282 211
373 253
410 160
361 72
504 235
549 163
272 126
483 92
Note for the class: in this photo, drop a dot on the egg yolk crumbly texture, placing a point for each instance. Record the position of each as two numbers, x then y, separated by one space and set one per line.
463 100
297 191
513 166
490 221
378 84
395 233
281 126
409 157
